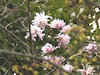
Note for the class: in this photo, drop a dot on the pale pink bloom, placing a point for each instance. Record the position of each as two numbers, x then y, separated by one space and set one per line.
63 39
47 57
57 24
28 35
56 60
83 71
65 29
48 48
88 71
91 48
41 19
68 67
35 31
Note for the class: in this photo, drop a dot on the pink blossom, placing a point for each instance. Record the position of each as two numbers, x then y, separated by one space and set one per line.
91 48
35 31
41 19
48 48
88 71
56 60
65 29
57 24
63 39
83 71
47 57
68 67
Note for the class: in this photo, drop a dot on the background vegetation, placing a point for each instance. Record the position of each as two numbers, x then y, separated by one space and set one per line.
15 54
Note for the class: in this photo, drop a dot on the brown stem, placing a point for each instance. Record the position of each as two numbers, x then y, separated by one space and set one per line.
29 21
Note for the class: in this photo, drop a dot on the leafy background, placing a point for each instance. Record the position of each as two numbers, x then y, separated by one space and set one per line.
14 16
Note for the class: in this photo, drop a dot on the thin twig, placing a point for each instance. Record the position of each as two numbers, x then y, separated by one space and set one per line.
5 8
13 22
92 3
51 71
6 71
77 48
29 21
23 21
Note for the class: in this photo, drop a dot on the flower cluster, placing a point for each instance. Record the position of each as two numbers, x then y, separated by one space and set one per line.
87 71
38 26
36 30
91 48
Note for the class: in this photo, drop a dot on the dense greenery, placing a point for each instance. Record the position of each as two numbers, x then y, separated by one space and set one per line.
14 22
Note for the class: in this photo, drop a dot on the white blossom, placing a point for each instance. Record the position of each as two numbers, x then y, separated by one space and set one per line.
68 67
57 24
48 48
35 31
41 19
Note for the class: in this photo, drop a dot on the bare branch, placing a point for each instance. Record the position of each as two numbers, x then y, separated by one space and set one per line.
29 21
23 21
13 22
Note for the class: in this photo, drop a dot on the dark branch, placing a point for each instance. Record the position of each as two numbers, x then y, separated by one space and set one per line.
29 22
31 56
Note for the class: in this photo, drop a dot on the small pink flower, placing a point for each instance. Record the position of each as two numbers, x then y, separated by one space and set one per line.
83 71
65 29
57 24
88 71
68 67
63 39
35 31
41 19
91 48
56 60
47 57
48 48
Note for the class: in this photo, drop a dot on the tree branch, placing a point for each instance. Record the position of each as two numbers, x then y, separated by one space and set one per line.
31 56
29 22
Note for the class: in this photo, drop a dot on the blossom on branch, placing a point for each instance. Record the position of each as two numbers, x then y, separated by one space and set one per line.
57 24
48 48
65 29
35 31
68 67
56 60
91 48
63 39
41 19
88 71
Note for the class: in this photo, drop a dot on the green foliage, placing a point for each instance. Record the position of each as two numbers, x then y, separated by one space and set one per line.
72 12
